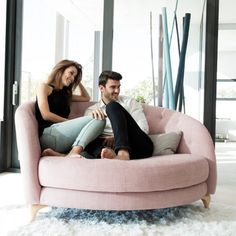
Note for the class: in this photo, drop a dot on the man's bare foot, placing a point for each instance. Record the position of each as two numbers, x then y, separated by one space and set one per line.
51 152
122 155
108 153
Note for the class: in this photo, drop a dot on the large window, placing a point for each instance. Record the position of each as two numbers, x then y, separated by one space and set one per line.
2 53
132 48
38 47
55 30
226 99
85 40
226 75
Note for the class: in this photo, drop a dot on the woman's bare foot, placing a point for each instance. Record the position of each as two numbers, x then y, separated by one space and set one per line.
51 152
76 150
108 153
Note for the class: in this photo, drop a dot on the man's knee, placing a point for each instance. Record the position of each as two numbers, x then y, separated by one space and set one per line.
113 106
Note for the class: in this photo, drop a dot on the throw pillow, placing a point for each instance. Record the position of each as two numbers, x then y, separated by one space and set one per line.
166 143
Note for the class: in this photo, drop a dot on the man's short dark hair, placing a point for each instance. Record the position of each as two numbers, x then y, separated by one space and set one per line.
108 74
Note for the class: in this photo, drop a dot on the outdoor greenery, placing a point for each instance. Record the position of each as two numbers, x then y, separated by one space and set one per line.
143 92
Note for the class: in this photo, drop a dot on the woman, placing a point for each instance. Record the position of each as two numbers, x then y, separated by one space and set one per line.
58 134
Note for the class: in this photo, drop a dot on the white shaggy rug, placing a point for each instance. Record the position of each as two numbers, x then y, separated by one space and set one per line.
219 220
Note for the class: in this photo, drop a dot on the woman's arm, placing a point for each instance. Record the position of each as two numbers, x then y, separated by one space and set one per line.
83 97
43 92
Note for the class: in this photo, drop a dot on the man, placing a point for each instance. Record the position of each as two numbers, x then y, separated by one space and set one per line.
125 134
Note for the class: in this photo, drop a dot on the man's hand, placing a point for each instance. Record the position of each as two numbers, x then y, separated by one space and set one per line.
108 141
99 114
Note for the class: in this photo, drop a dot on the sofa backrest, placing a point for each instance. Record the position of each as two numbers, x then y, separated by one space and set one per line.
163 120
160 120
78 108
155 115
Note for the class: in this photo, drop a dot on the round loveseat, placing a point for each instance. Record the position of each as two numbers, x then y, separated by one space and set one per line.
160 181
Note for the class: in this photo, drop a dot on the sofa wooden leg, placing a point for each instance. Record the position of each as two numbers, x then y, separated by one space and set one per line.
34 210
206 200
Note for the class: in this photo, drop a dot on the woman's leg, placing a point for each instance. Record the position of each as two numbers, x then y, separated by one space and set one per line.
61 136
89 133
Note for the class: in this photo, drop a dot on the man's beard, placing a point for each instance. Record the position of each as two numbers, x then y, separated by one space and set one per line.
112 97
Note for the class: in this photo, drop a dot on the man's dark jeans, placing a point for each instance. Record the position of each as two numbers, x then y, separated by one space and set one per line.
127 134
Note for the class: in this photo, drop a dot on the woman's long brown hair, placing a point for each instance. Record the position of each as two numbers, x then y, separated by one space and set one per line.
58 71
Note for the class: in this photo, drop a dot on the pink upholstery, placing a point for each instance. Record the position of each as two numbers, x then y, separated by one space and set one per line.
155 182
145 175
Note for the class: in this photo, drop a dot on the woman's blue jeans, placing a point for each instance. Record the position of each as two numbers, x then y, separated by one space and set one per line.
62 136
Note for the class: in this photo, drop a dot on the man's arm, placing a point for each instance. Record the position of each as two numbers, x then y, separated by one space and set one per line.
96 112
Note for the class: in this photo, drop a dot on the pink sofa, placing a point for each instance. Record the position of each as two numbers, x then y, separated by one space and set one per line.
155 182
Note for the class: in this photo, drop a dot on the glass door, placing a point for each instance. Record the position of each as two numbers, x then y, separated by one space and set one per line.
2 53
55 30
226 76
136 51
2 63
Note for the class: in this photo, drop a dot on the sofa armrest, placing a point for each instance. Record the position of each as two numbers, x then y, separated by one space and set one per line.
196 140
29 150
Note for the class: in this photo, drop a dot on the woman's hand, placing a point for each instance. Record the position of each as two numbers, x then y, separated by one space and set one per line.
83 97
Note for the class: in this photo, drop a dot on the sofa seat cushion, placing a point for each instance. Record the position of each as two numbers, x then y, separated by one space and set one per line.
104 175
